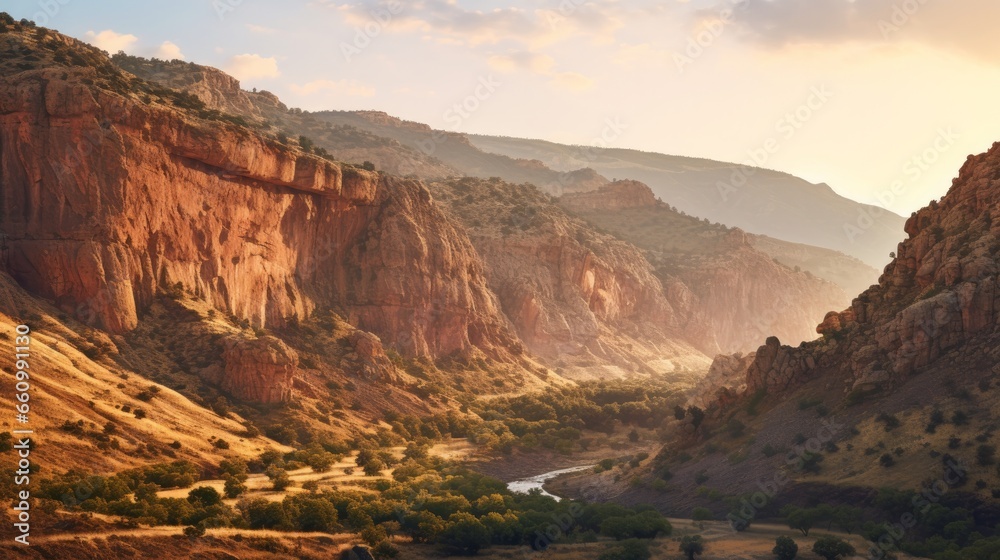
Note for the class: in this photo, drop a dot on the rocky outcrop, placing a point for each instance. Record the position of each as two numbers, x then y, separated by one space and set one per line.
614 196
939 295
369 360
112 194
259 370
727 376
216 89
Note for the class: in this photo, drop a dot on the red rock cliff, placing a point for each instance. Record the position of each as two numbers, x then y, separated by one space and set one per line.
109 195
938 295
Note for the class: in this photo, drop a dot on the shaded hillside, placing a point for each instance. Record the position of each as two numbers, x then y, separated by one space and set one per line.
897 399
759 201
742 293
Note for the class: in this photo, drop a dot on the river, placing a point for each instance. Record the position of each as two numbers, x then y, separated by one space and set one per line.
526 485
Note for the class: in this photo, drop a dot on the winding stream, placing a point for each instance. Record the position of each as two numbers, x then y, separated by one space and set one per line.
526 485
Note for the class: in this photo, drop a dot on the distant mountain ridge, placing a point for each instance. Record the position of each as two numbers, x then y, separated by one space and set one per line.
760 201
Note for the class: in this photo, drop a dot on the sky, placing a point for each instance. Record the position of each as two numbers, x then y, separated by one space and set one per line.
881 99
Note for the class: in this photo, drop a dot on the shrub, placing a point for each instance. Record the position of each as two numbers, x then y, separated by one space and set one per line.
890 420
785 549
194 531
205 496
465 533
986 455
831 547
735 428
234 488
279 478
886 460
632 549
702 514
645 525
692 545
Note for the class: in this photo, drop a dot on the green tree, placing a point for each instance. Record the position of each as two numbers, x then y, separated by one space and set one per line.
261 513
802 520
831 547
204 496
311 513
692 545
465 533
632 549
849 519
702 514
785 549
233 488
279 478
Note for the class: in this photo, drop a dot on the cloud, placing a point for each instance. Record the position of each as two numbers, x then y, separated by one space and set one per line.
252 66
350 88
168 51
572 81
537 63
261 30
447 22
642 55
111 41
965 26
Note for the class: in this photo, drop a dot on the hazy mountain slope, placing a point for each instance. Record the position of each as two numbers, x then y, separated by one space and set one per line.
455 150
741 292
850 273
757 200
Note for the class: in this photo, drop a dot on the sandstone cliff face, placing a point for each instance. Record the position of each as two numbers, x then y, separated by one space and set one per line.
937 296
259 370
574 296
215 88
618 195
108 198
